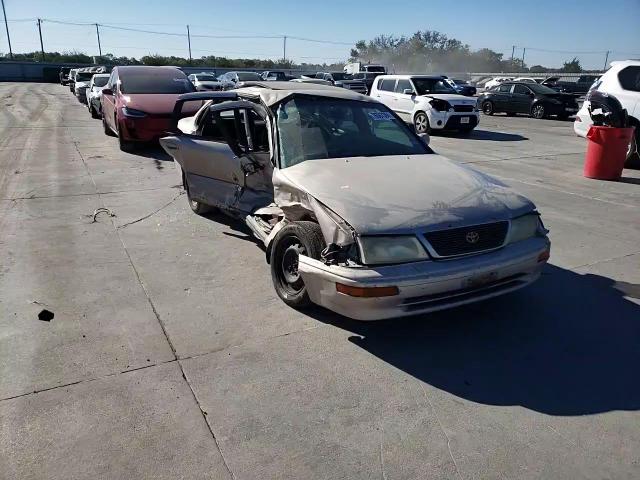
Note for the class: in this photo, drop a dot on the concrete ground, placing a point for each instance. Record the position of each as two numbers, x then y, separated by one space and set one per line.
170 356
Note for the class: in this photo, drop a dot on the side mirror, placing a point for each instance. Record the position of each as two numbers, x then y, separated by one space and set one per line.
107 91
425 138
407 91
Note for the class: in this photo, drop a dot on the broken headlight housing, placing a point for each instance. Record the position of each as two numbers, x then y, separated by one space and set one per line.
389 249
525 227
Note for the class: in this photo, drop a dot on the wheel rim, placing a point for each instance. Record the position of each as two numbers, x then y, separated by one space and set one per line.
421 123
538 111
487 108
290 249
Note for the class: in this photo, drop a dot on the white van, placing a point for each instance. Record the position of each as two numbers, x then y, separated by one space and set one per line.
426 101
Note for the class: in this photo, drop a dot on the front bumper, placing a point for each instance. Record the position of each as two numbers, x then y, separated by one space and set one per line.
425 286
146 129
453 120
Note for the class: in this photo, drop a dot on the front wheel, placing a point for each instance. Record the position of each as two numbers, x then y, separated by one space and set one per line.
198 208
487 108
295 239
538 111
421 123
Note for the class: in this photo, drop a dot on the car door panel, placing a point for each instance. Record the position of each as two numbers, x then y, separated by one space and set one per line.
521 99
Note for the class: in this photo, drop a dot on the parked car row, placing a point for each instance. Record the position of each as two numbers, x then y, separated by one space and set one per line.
355 211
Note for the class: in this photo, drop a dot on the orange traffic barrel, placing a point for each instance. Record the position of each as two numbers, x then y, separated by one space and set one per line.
606 152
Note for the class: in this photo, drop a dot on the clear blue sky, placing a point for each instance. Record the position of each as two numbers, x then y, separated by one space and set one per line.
568 25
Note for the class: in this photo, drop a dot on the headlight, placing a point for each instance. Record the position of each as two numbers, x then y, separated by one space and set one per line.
440 105
524 227
376 250
132 113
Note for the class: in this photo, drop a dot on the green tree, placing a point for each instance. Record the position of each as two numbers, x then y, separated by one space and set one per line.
572 66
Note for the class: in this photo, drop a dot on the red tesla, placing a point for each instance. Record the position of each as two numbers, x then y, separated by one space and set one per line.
137 102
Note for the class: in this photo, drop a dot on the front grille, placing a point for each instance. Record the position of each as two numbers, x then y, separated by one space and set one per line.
464 240
463 108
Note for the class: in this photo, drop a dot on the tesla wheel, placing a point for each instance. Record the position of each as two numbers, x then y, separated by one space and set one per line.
421 123
107 129
198 208
125 145
295 239
537 111
487 108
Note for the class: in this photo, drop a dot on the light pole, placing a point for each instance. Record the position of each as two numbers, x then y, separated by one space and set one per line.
6 25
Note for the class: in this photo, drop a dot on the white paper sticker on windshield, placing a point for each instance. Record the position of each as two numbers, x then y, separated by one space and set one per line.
381 116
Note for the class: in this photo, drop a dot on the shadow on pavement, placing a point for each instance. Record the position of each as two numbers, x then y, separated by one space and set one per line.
486 135
567 345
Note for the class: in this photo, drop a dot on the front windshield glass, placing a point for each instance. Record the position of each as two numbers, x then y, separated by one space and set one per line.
248 76
341 76
541 89
161 84
100 81
206 78
425 86
315 128
83 77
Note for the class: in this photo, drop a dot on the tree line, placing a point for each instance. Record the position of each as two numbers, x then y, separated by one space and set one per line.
430 51
426 51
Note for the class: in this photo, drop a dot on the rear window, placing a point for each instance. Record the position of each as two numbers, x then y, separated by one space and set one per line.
403 85
164 83
504 88
248 76
630 78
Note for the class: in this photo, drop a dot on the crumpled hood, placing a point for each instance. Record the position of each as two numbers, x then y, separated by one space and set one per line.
401 194
153 103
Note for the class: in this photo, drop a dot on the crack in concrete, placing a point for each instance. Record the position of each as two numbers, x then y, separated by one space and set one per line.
435 414
70 195
158 318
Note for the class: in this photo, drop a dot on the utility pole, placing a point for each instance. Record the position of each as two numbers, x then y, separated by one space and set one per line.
606 60
524 49
6 25
98 35
513 51
284 49
189 40
40 32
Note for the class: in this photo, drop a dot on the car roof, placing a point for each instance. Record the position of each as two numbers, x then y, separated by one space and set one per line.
139 69
408 75
274 92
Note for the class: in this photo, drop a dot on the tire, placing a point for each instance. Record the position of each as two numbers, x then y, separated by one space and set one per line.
125 145
294 239
421 123
538 111
93 112
487 108
106 128
197 207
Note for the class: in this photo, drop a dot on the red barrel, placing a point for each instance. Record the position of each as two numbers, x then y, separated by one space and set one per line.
606 152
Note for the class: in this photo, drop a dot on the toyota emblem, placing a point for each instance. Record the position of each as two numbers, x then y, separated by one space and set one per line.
472 237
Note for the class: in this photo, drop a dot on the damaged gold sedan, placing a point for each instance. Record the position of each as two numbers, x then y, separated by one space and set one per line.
356 212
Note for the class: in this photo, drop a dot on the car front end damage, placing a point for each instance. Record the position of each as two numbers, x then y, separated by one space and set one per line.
375 293
442 271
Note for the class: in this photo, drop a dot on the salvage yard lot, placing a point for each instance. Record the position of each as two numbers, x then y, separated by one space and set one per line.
170 355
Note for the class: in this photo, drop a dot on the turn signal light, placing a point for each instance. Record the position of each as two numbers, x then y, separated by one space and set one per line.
367 292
